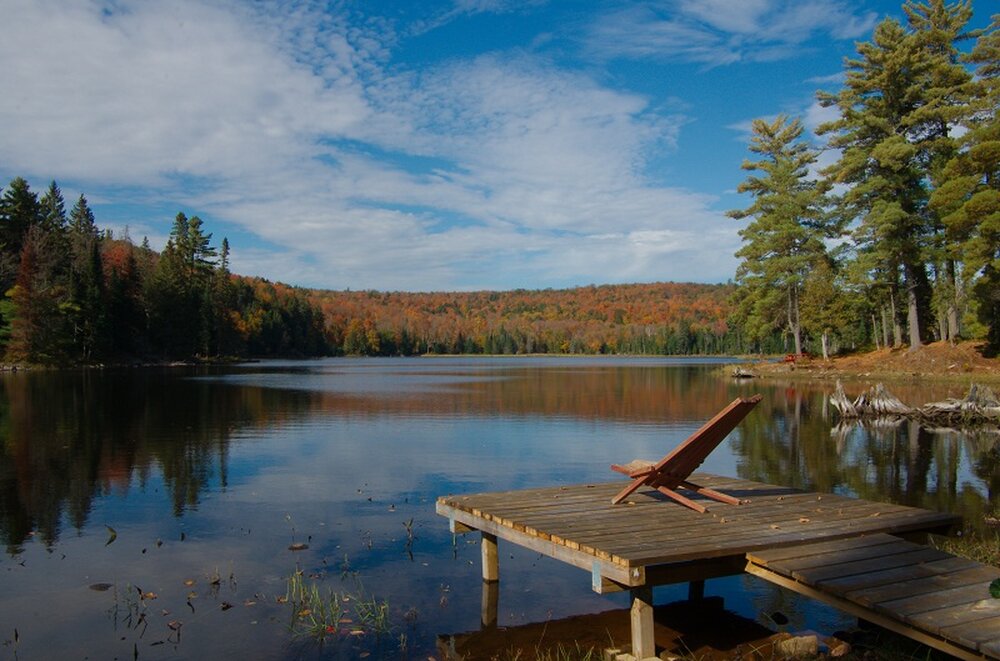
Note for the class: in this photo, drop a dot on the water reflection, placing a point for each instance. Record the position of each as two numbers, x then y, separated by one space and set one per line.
69 438
226 468
801 443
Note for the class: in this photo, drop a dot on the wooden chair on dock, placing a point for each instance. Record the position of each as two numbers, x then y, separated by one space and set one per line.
674 469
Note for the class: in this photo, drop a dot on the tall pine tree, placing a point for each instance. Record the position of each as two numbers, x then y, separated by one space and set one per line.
968 198
784 239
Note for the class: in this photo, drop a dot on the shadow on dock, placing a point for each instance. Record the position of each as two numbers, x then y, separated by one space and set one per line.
703 629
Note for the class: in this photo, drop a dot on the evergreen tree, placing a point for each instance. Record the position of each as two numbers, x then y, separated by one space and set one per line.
81 219
969 197
880 166
900 98
19 211
86 283
938 29
784 239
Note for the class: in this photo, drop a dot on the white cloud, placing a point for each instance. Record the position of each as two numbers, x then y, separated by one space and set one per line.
299 128
720 32
134 95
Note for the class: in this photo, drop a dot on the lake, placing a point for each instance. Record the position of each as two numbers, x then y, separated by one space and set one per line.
161 513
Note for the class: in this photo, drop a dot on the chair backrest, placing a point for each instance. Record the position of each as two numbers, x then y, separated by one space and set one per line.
689 455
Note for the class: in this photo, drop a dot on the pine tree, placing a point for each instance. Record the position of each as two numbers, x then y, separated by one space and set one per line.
784 239
19 211
880 165
969 197
901 97
938 29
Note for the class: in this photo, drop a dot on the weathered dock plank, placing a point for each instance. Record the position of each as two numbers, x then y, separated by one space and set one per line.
920 592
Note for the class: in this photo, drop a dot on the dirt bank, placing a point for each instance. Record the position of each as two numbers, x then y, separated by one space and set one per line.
941 360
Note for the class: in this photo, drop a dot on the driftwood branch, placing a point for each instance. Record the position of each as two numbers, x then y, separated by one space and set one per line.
979 406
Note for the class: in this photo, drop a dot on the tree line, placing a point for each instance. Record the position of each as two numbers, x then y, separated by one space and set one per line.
897 242
656 319
75 295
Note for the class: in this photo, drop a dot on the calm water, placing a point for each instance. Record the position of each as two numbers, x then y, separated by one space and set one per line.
190 486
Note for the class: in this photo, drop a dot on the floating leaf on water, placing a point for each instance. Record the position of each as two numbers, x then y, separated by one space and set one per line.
298 546
281 599
101 587
305 612
112 535
192 595
175 624
149 595
249 602
357 632
995 588
189 582
364 655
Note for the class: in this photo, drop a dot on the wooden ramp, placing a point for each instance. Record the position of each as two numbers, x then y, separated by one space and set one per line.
920 592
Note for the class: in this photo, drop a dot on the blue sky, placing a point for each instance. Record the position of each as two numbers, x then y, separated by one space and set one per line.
431 145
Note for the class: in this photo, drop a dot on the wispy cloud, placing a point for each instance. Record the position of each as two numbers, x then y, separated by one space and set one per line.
720 32
296 125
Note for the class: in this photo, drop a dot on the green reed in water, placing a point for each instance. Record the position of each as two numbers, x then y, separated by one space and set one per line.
321 613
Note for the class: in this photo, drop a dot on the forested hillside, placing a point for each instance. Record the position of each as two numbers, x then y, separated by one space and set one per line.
75 295
662 318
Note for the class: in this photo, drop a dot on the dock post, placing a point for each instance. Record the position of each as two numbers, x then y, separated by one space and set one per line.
696 590
491 580
491 559
490 604
643 644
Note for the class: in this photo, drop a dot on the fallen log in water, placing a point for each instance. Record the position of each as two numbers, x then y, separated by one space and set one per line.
979 406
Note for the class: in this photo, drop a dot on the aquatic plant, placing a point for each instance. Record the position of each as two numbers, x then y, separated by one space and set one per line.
320 613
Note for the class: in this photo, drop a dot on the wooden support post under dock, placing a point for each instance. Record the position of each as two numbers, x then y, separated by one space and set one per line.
491 558
490 604
643 645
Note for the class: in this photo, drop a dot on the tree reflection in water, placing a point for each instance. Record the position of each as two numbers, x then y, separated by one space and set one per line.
800 443
71 437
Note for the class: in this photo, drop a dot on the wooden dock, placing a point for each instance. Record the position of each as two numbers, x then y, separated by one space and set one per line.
926 594
649 540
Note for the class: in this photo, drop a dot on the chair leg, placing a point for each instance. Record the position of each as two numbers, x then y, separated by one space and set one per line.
627 491
686 502
710 493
